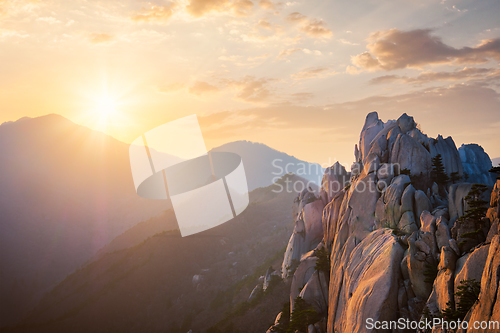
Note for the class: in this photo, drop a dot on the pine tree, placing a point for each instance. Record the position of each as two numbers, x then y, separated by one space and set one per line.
477 206
469 227
438 173
496 170
454 177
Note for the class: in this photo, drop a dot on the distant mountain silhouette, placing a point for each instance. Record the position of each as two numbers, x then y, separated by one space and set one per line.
263 165
65 191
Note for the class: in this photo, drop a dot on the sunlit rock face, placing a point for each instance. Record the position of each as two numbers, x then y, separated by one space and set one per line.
390 231
476 164
368 283
308 230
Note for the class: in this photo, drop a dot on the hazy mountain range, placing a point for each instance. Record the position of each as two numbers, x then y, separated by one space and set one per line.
150 285
66 191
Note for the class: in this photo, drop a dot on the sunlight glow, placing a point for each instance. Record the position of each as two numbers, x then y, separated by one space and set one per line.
106 106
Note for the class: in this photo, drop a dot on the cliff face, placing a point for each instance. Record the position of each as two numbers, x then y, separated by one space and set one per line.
401 233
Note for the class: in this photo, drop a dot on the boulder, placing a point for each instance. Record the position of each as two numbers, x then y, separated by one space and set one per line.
408 199
302 274
370 284
411 155
472 267
449 154
296 247
334 180
407 223
255 292
362 199
392 200
443 235
371 164
420 137
487 308
313 215
422 203
476 164
427 222
331 217
417 265
406 123
315 292
372 127
456 201
379 144
387 171
442 290
267 278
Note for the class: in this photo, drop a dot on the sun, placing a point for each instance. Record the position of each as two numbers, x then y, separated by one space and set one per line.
106 106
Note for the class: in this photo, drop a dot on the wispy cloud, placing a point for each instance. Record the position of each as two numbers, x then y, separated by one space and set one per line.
99 38
202 88
315 28
313 73
156 13
395 49
427 77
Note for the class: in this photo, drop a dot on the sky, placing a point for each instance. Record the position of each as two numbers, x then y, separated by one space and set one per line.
299 76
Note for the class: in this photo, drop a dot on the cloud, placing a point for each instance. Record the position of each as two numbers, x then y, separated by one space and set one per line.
198 8
242 7
201 88
10 8
301 97
312 27
97 38
156 13
344 41
395 49
5 33
259 58
171 87
426 77
288 52
49 20
265 24
352 70
315 52
313 73
266 4
251 89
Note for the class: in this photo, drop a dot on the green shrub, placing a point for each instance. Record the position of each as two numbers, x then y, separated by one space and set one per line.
468 293
323 262
430 272
302 316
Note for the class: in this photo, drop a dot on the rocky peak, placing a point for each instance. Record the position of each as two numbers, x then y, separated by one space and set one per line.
394 243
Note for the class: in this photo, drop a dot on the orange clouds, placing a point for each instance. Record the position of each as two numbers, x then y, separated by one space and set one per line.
155 14
426 77
201 88
313 73
97 38
312 27
198 8
250 89
266 4
395 49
